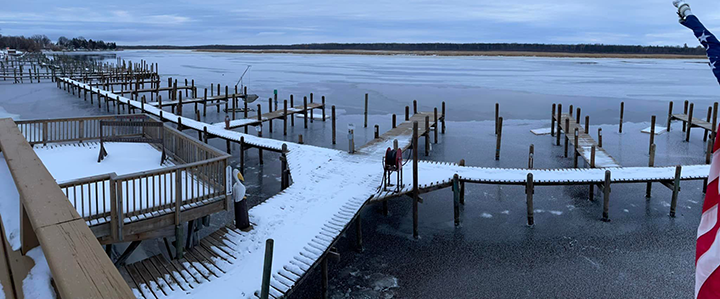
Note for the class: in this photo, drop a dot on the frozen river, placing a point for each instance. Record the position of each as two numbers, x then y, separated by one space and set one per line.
569 252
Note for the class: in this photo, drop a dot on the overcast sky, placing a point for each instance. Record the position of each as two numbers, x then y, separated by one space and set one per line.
200 22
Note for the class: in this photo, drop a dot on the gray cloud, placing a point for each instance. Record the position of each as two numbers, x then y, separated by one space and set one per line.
195 22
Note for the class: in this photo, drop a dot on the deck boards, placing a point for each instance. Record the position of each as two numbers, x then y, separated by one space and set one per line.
269 116
402 132
585 143
696 122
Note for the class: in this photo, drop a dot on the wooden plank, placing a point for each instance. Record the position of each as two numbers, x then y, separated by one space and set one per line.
403 132
585 142
696 122
80 267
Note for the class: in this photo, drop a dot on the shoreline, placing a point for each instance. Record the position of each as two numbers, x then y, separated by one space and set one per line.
455 53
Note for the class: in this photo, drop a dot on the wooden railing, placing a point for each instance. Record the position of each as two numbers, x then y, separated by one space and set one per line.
199 176
80 267
46 131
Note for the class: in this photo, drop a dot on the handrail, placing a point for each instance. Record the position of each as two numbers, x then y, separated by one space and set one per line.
79 266
167 169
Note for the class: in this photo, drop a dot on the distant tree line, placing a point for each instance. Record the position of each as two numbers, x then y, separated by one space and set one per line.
475 47
40 42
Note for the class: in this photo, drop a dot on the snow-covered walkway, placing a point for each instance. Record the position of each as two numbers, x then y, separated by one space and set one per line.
329 188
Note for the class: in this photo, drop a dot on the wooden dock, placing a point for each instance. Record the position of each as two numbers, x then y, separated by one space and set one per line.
427 122
283 114
583 144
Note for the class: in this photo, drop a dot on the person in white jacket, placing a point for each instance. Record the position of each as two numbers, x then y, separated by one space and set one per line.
242 219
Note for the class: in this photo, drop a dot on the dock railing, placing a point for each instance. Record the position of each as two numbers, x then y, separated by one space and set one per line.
198 178
80 268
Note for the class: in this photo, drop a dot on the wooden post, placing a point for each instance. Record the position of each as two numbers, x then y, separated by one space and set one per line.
292 105
559 123
531 156
323 108
416 190
669 117
570 110
689 122
651 163
587 124
575 156
366 109
234 103
499 138
270 122
606 197
443 117
284 182
714 123
709 115
300 139
622 115
427 135
285 118
567 137
652 133
600 137
377 131
324 277
407 113
242 154
178 227
462 185
685 111
334 128
577 117
456 199
415 109
497 117
267 269
436 126
530 190
305 115
394 121
676 190
552 121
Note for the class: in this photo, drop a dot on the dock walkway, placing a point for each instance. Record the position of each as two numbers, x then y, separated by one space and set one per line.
585 144
329 189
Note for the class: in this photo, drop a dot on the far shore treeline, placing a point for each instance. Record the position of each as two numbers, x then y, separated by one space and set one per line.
40 42
449 47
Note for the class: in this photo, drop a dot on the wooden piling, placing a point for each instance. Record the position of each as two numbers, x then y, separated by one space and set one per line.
242 154
323 108
462 185
652 133
366 109
676 190
689 122
705 132
559 120
305 115
577 116
497 117
622 115
498 139
377 131
587 124
685 111
285 116
443 117
394 121
456 199
552 121
531 156
530 191
300 139
415 107
600 137
606 197
714 123
416 190
567 137
407 113
267 269
435 138
292 104
651 163
334 128
575 156
270 123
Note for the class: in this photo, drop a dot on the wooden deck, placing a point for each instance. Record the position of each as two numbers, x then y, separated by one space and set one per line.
79 266
585 144
403 133
696 122
221 99
277 114
158 277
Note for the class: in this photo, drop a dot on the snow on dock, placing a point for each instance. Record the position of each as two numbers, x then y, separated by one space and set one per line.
329 189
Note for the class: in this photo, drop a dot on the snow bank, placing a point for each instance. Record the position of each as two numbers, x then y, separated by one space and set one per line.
37 283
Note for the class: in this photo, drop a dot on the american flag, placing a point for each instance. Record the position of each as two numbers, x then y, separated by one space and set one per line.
707 255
